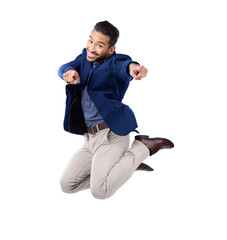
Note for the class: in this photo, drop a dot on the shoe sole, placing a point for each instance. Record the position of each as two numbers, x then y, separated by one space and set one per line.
139 137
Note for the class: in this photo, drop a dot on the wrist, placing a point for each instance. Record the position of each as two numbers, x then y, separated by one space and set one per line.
130 66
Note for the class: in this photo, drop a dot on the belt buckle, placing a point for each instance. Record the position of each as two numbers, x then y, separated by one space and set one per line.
95 127
92 130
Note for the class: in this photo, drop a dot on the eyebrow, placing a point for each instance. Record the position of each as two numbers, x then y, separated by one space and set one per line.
97 41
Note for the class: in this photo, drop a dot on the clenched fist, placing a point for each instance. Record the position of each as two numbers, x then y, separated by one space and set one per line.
71 76
137 72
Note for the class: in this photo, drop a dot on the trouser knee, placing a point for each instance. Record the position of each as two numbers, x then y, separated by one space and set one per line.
66 186
100 193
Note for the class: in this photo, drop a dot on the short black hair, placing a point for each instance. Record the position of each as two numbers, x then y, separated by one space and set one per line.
108 29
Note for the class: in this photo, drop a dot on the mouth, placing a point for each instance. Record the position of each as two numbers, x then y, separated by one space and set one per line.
92 55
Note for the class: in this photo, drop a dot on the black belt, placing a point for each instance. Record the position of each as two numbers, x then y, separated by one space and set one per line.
97 128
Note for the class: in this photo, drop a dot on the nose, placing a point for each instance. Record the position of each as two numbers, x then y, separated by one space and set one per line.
92 47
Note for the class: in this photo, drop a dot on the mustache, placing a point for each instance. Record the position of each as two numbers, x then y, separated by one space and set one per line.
93 52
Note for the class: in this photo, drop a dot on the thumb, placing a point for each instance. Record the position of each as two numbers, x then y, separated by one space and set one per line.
75 75
137 70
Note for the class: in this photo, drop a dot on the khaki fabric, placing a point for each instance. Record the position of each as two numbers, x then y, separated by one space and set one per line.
103 164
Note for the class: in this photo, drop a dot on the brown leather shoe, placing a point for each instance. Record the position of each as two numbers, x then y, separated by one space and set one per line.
144 167
155 144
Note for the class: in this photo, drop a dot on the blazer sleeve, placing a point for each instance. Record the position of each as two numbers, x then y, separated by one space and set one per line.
73 65
122 69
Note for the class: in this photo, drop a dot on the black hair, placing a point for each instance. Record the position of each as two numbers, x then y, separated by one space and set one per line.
108 29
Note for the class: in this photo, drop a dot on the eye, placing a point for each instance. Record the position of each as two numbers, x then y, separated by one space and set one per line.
90 41
100 46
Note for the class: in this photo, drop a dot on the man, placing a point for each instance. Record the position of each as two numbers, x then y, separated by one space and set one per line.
97 81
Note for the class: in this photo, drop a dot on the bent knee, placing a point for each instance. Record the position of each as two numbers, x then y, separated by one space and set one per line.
66 186
100 193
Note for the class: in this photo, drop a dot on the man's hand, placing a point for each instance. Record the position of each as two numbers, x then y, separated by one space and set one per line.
71 76
137 72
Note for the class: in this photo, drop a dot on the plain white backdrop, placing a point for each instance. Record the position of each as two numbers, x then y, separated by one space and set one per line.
183 44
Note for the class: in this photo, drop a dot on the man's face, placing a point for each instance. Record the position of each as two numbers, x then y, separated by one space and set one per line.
98 47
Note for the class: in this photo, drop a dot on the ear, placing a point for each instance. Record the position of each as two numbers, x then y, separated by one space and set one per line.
111 50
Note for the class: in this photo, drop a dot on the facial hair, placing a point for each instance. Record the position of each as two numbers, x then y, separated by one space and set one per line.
100 58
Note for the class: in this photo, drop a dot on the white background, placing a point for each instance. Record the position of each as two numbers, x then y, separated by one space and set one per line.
183 44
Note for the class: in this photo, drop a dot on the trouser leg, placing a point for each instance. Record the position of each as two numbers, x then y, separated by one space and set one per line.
76 176
113 163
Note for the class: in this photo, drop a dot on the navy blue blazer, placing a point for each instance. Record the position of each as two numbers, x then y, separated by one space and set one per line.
106 85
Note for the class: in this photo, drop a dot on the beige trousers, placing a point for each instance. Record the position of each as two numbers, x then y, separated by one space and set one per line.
103 164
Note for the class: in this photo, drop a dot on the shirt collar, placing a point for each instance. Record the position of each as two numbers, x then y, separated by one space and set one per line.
96 64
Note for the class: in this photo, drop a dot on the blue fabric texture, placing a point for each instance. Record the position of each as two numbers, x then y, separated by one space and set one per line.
106 85
91 113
